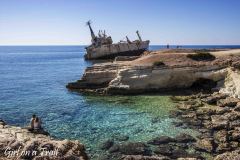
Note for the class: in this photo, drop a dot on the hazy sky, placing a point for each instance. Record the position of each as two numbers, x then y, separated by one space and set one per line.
62 22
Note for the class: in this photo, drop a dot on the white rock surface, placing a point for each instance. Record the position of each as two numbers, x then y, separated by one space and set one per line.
232 83
147 78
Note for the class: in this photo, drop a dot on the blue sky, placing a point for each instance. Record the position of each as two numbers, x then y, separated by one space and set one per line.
62 22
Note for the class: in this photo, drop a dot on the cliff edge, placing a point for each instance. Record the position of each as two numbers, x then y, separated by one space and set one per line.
162 70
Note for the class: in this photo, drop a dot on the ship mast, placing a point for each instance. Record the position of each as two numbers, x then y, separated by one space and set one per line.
92 33
139 37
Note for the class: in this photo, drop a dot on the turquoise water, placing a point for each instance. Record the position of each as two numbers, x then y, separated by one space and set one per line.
33 80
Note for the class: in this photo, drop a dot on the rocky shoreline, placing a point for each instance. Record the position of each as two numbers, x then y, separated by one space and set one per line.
19 143
216 117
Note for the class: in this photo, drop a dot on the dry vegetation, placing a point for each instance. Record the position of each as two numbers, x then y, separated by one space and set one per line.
201 55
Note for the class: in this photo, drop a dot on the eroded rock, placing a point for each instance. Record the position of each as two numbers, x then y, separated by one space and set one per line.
205 145
219 122
230 102
234 155
38 146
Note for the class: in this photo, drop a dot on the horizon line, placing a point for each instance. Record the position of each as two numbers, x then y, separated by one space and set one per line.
9 45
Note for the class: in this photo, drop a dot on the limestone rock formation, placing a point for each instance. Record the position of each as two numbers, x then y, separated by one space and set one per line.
19 143
232 83
179 71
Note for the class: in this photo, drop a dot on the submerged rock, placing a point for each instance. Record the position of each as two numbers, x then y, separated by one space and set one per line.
106 144
184 138
161 140
121 137
133 148
114 148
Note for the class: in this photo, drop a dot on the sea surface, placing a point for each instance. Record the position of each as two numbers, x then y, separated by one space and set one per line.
33 79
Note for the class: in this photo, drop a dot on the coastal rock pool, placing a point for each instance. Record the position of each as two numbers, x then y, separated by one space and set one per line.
33 80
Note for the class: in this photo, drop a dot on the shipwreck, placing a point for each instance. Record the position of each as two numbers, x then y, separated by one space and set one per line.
102 46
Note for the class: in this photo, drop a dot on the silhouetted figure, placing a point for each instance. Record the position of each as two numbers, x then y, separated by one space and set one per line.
167 46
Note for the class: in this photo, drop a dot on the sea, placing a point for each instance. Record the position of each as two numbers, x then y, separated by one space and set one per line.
33 80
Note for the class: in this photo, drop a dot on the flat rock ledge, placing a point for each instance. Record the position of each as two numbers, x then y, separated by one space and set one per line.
19 143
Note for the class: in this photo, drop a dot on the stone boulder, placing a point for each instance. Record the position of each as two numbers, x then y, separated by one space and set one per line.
221 136
229 101
184 138
219 122
214 98
206 145
235 123
211 110
222 147
235 134
231 116
237 108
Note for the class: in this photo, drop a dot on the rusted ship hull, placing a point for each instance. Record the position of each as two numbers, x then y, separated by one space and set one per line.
114 50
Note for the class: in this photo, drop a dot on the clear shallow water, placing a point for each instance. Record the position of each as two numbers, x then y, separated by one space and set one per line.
33 80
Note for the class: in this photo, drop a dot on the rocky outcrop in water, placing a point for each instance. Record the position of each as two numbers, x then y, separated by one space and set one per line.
19 143
176 72
96 77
